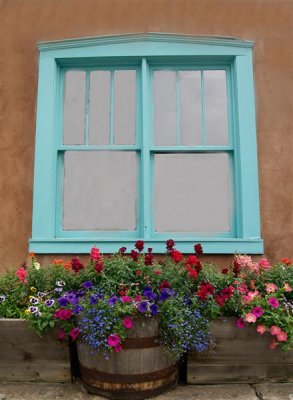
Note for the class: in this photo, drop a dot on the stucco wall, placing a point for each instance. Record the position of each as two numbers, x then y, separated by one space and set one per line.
24 23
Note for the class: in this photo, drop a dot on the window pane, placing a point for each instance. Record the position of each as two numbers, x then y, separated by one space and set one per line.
216 107
165 120
100 190
192 193
74 107
190 107
124 107
99 111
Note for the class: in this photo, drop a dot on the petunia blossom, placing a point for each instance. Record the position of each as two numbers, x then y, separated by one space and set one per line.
275 330
271 287
240 323
282 336
127 322
257 311
261 329
250 317
273 302
113 340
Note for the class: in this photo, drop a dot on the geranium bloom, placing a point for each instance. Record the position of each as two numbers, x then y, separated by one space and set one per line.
126 299
139 244
21 274
287 288
273 302
127 323
240 323
76 265
275 330
176 255
263 263
249 317
170 244
113 340
257 311
261 329
63 314
271 287
95 254
74 333
198 249
282 336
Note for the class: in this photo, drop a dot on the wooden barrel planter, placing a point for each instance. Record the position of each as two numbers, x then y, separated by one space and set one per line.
141 370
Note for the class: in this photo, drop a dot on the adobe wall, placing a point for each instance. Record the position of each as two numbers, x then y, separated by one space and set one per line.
25 23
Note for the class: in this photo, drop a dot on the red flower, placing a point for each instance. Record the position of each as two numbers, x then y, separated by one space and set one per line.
228 291
221 300
134 255
61 335
99 267
95 254
193 260
63 314
192 273
138 272
76 265
21 274
164 285
176 255
170 244
148 259
286 261
74 333
139 244
225 271
206 289
198 249
236 267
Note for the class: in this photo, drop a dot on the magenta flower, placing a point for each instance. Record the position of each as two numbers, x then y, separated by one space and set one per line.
113 340
118 348
126 299
74 333
257 311
240 323
127 323
95 254
273 302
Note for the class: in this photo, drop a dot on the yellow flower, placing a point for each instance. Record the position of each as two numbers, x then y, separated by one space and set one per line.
27 312
33 289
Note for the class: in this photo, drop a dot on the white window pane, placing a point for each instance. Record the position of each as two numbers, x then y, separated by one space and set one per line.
165 118
216 107
100 190
192 193
74 107
190 107
99 111
124 107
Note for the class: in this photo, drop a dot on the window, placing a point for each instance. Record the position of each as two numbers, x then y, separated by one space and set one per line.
146 137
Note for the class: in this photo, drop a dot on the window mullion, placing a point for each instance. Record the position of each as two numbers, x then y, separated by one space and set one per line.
145 155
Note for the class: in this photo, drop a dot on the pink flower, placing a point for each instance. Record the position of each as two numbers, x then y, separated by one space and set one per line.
240 323
74 333
273 302
250 296
63 314
126 299
263 263
271 287
249 317
95 254
257 311
21 274
287 288
127 323
275 330
272 344
282 336
61 335
242 288
113 340
118 348
261 329
137 298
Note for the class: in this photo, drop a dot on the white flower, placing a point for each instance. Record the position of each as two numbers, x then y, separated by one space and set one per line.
2 298
37 266
60 283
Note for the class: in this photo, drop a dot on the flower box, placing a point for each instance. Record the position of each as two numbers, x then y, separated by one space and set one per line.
26 357
239 355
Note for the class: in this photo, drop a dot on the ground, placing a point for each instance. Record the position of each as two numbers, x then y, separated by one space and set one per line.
265 391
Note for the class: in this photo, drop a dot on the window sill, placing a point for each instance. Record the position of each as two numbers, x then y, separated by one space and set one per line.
83 246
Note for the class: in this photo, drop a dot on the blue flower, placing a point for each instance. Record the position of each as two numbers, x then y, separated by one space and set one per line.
154 309
147 292
87 285
113 300
143 307
78 309
63 301
49 302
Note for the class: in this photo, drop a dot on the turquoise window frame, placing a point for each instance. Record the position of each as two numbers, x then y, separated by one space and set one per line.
146 51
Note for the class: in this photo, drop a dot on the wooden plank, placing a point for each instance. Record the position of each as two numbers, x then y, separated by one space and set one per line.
24 356
244 373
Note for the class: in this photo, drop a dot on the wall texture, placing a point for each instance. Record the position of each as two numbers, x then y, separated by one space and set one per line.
24 23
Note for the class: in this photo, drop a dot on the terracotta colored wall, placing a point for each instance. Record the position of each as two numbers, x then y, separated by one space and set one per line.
23 23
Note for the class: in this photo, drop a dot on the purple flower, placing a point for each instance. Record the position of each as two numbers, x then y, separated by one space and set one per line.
49 302
87 285
78 309
113 300
58 290
164 295
147 292
71 297
33 309
273 302
94 298
257 311
154 309
41 294
143 307
63 301
34 300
